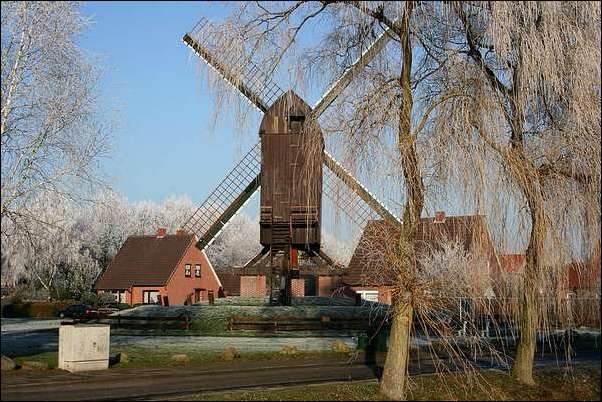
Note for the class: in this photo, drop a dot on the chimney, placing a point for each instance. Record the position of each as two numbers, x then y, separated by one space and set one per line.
439 217
181 232
161 232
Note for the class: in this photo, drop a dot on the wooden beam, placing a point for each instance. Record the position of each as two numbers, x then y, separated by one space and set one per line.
352 71
229 212
264 251
226 72
359 189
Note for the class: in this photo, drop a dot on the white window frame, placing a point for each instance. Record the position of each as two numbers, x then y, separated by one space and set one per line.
197 270
369 295
147 296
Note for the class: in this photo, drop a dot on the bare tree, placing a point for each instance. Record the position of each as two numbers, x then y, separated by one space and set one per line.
460 76
530 77
52 131
380 118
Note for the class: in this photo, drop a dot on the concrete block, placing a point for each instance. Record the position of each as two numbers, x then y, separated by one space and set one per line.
84 347
8 364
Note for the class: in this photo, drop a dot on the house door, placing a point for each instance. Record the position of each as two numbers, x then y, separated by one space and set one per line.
197 295
165 301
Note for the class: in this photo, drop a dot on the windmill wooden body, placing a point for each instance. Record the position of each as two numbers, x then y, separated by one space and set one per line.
288 165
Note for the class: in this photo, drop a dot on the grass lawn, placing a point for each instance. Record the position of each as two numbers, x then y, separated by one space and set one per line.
145 358
50 358
582 383
148 358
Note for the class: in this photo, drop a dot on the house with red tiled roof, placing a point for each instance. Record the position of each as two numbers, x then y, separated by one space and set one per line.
580 276
160 269
512 263
373 282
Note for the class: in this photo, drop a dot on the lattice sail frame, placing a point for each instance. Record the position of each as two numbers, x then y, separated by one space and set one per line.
228 198
261 91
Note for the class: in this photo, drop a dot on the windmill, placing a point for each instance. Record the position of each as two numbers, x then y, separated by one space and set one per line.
289 163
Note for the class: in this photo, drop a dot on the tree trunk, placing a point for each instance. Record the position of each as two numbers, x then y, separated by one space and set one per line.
525 353
393 382
394 379
529 308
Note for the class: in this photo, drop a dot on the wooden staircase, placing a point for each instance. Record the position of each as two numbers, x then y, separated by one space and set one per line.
279 256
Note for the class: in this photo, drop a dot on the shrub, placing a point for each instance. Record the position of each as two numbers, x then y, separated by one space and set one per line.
89 298
339 346
40 309
97 300
230 353
289 350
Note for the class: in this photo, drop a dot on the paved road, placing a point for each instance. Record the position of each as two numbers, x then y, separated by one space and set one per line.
17 325
119 384
126 384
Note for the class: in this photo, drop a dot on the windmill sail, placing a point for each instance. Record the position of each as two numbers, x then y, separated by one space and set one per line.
226 200
240 72
262 91
351 72
358 203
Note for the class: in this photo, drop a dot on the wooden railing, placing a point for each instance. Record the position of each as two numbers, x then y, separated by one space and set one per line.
182 321
303 324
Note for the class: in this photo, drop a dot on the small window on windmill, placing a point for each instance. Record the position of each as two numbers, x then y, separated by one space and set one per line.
295 123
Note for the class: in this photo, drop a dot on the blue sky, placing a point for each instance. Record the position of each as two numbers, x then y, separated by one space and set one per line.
164 143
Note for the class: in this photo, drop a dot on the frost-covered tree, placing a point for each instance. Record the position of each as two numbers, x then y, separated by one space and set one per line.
54 258
237 244
74 242
52 131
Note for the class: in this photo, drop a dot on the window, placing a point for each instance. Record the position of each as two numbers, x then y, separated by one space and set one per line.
119 296
150 297
197 270
187 270
369 295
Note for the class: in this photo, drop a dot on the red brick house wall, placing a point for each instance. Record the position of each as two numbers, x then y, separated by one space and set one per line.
181 288
253 286
137 293
384 292
157 263
328 284
298 287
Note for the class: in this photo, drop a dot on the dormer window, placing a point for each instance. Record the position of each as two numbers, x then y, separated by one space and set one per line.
295 123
